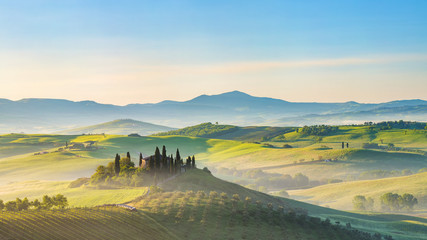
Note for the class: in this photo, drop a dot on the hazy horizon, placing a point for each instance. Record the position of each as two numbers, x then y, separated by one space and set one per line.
142 51
210 95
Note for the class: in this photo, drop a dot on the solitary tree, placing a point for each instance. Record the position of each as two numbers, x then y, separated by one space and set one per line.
347 145
128 155
193 162
164 158
177 161
140 159
342 145
157 158
171 165
117 165
188 163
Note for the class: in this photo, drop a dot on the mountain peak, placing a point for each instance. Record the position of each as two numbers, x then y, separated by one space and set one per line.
235 93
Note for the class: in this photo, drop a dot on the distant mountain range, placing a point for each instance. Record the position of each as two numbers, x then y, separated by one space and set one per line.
120 127
237 108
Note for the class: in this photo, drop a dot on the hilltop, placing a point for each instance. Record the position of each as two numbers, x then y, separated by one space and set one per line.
229 132
119 127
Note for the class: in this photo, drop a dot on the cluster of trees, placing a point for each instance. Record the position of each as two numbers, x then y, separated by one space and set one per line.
396 202
362 203
207 130
150 170
58 201
388 201
398 125
318 130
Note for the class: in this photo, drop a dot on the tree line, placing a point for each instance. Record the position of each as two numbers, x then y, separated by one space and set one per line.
317 130
388 202
58 201
397 125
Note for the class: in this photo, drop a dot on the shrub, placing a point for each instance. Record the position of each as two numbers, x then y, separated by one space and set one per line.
283 193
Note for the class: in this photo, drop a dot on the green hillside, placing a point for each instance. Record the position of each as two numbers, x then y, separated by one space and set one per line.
340 195
120 127
400 226
211 214
304 157
85 223
229 132
65 165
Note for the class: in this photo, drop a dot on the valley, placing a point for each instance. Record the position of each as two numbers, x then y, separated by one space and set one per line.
276 162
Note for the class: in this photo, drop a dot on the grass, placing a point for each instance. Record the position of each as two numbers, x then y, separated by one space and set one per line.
199 180
121 126
21 165
219 153
340 195
87 223
77 197
229 132
177 215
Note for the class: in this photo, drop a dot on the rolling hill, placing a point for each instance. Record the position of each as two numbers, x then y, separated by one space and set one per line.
52 115
45 170
119 127
206 207
229 132
217 153
340 195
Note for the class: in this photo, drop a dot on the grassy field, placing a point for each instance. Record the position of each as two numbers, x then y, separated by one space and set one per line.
340 195
303 157
24 174
229 132
121 127
77 197
191 215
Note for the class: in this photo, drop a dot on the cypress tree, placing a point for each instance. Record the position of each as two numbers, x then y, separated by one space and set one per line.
188 163
177 161
164 159
171 166
128 155
140 159
193 162
117 164
157 158
342 145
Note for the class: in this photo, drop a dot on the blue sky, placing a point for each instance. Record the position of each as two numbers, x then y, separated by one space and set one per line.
146 51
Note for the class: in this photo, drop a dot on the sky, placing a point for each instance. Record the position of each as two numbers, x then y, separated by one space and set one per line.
122 52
